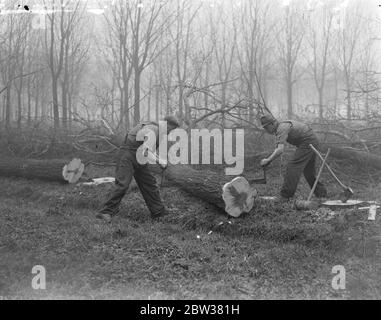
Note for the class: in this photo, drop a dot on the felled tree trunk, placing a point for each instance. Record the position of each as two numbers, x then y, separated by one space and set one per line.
360 158
201 184
219 190
51 170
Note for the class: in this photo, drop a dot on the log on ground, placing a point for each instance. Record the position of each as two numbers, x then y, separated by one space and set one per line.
360 158
51 170
205 185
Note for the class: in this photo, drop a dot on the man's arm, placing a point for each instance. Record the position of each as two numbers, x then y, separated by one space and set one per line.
155 158
151 152
277 152
281 138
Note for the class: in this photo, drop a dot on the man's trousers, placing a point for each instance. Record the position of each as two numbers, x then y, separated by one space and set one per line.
303 161
128 167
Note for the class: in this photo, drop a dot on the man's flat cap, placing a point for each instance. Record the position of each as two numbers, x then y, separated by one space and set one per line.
266 120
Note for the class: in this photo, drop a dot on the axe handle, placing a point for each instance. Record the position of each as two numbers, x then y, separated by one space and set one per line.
328 167
318 176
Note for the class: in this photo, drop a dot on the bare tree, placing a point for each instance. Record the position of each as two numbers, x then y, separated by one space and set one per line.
13 41
60 25
20 60
224 43
289 42
75 52
368 84
320 41
182 38
118 55
254 26
348 40
147 27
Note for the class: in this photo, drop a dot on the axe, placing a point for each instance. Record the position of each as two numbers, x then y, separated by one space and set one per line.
347 191
259 180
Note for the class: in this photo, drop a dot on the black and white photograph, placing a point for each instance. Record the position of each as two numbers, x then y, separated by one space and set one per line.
204 152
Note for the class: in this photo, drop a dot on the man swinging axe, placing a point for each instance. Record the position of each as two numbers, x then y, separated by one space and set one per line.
128 166
301 136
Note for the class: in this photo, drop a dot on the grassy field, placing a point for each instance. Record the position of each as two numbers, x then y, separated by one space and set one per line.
273 253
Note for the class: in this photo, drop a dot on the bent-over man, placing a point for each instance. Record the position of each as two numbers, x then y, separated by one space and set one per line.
128 166
299 135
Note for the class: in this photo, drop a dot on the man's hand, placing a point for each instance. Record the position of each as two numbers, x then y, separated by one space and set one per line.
264 162
277 152
162 163
163 166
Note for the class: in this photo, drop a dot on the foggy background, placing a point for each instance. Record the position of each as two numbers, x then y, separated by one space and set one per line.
65 61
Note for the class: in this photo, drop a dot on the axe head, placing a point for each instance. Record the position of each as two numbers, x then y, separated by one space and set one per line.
260 180
347 194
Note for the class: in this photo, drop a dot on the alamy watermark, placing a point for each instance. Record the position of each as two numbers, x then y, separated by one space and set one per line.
339 280
186 147
39 280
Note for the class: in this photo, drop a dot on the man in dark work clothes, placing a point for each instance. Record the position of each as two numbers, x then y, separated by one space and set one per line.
128 167
299 135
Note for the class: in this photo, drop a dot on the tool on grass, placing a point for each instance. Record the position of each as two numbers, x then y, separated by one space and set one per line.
338 204
347 191
300 204
98 181
259 180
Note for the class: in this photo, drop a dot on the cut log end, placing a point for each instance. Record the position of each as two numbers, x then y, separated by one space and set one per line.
73 171
238 196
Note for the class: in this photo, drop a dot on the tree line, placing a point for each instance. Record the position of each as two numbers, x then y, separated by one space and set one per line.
223 61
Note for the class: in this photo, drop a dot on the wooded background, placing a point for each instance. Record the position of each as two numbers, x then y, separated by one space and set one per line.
215 62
